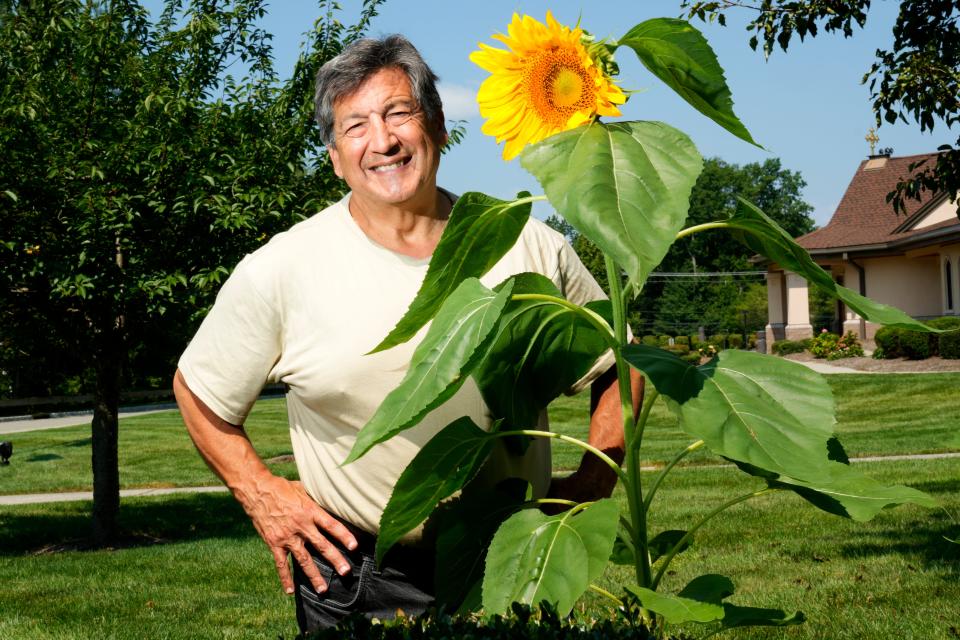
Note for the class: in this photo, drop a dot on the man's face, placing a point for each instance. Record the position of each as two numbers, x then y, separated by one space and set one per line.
386 163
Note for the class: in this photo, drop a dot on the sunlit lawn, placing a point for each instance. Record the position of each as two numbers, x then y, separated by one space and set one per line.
199 571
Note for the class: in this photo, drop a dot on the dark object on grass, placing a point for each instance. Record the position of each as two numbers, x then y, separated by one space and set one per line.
6 450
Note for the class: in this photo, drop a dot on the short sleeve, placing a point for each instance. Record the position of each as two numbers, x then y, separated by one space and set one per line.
237 345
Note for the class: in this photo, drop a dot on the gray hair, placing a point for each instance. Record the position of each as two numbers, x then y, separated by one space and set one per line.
343 75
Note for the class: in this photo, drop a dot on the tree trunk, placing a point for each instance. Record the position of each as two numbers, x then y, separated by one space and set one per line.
106 475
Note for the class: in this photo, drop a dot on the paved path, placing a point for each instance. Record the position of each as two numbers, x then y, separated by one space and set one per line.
18 424
822 367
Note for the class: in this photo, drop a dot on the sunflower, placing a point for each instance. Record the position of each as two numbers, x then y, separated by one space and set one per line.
546 83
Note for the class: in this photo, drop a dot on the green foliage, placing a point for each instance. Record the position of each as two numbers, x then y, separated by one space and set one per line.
950 345
786 347
651 341
679 55
833 347
682 340
914 345
735 341
580 187
888 342
663 341
521 622
914 79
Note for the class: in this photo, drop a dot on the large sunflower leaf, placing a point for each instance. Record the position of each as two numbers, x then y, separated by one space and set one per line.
844 491
625 186
440 364
768 412
440 468
676 609
535 557
775 419
479 232
541 349
678 54
464 527
761 234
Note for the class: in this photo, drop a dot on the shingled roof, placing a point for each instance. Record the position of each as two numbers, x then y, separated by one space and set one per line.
864 218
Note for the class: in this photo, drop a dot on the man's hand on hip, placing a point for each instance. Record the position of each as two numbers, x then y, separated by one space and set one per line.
288 519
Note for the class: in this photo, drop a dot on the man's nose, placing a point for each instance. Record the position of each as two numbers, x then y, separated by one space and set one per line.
382 138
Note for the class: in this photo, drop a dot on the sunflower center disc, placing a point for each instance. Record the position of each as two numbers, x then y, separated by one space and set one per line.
567 87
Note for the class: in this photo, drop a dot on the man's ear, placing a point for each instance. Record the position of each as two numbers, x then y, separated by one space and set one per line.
335 160
442 135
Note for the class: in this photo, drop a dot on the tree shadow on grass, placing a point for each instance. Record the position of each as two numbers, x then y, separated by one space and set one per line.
922 538
48 528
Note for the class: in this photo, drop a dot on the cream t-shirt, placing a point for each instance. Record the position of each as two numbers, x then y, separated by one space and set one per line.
305 308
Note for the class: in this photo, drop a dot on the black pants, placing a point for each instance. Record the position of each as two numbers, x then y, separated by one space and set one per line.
404 583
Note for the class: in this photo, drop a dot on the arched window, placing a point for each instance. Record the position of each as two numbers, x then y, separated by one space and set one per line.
949 281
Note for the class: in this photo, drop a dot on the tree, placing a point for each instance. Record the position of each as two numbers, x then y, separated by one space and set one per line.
917 78
136 172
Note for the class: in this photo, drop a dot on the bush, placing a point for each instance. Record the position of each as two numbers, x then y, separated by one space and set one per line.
542 624
786 347
735 341
650 341
752 340
915 345
694 341
679 349
692 358
663 341
949 344
718 340
682 340
946 323
888 342
833 347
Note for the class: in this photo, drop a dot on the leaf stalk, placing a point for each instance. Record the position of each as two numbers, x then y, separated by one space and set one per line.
663 473
568 439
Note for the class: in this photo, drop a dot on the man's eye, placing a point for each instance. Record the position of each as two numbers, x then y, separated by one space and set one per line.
356 130
398 117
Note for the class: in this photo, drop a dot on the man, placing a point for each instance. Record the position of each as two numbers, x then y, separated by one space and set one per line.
305 308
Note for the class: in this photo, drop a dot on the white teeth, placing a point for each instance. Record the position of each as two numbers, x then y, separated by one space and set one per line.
387 167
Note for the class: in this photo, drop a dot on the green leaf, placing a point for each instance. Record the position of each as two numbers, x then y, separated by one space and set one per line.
536 557
440 364
663 542
761 234
625 185
678 54
623 552
711 587
735 616
675 609
541 349
768 412
463 529
11 195
440 468
479 232
844 491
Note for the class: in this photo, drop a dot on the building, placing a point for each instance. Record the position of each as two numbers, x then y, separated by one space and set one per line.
909 261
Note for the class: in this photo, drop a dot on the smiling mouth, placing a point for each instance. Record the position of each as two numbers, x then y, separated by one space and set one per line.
391 166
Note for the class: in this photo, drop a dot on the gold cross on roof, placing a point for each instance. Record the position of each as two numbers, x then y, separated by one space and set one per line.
872 139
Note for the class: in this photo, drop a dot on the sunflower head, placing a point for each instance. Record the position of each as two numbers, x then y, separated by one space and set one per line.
546 82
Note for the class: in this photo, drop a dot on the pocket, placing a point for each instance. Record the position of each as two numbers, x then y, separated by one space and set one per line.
343 592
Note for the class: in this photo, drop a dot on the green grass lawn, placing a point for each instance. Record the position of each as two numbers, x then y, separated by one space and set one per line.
198 569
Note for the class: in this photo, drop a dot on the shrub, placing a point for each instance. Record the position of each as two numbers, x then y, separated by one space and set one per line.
946 323
915 344
888 342
691 358
650 341
752 340
878 354
694 341
663 341
735 341
682 340
679 349
950 345
785 347
718 340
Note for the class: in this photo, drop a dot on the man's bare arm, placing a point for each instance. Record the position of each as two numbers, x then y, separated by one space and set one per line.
282 512
594 479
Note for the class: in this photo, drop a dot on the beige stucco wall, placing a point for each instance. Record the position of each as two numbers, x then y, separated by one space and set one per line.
911 284
950 257
946 211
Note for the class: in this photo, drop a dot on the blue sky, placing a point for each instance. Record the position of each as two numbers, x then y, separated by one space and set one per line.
806 106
